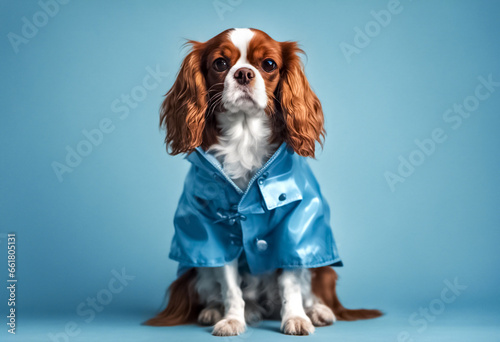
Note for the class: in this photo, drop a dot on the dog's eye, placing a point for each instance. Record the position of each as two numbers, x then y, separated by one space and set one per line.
268 65
220 65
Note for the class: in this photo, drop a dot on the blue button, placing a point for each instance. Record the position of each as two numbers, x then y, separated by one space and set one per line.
261 181
282 197
261 245
243 218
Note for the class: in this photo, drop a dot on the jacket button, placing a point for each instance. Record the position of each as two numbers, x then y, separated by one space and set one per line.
261 245
261 181
243 218
282 197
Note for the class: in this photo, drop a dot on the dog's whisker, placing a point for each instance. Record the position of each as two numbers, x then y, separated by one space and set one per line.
214 85
214 105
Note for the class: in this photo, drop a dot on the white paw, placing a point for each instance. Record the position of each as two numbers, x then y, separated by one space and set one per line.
320 315
209 316
229 327
297 326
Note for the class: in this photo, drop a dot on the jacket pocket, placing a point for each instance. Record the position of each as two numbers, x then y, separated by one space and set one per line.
279 190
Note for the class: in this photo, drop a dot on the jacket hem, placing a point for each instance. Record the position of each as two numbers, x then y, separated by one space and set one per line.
333 262
190 263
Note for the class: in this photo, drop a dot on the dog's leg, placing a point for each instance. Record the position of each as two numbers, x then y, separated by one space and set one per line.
251 288
210 297
211 314
233 322
294 320
320 314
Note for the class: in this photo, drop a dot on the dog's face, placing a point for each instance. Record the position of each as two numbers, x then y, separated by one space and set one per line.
242 70
247 66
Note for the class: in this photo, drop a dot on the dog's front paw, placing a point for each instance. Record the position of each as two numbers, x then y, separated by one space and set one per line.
297 326
320 315
229 327
209 316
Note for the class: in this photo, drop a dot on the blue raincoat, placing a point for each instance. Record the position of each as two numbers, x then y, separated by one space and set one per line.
280 221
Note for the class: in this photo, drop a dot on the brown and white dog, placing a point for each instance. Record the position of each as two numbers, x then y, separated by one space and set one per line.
239 96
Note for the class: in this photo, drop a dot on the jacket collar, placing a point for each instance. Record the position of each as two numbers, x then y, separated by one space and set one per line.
209 163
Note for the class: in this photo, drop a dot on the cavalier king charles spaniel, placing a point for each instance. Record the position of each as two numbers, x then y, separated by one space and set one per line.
238 97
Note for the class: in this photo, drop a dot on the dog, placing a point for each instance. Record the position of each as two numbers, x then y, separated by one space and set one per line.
252 232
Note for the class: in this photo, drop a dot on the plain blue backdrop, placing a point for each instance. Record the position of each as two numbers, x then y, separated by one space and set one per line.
383 85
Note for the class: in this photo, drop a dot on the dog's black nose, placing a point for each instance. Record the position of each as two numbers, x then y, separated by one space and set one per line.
244 75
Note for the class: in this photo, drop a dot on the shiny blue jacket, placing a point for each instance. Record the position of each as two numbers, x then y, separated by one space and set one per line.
280 221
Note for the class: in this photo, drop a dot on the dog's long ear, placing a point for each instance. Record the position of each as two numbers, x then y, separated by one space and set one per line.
300 107
183 110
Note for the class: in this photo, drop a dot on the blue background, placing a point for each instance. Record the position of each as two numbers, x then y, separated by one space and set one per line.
115 209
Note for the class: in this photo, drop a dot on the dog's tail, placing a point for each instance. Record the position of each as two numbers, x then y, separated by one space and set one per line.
183 306
324 283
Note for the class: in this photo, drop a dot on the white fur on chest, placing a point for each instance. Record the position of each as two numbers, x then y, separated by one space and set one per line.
243 145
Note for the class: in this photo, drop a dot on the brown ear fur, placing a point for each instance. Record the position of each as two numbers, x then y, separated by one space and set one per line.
183 307
300 107
324 280
183 110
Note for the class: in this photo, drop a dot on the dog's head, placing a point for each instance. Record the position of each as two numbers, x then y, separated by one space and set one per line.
241 70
